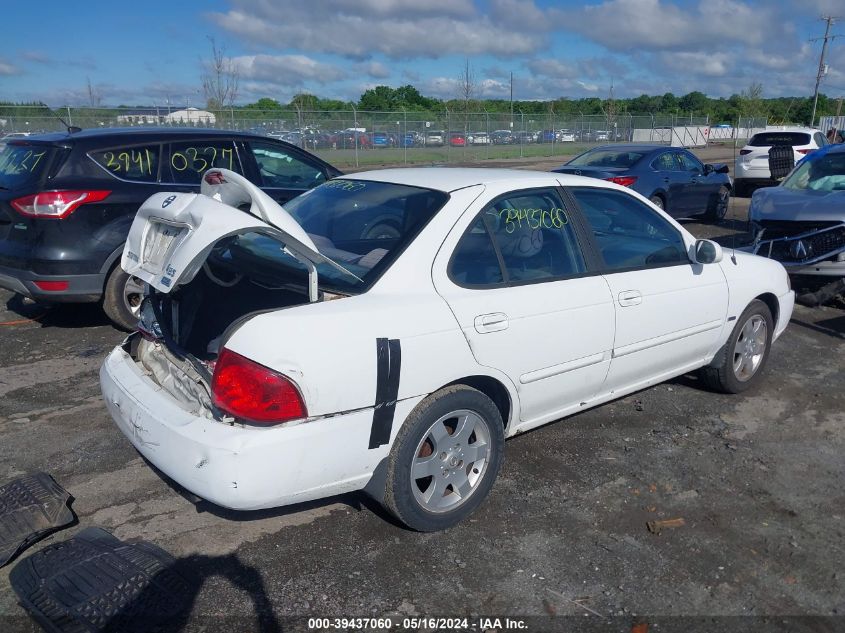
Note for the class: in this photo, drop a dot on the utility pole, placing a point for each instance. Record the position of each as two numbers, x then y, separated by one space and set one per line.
511 100
822 70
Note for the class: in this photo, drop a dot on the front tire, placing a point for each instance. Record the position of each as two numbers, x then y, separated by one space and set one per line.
445 459
122 299
719 206
740 363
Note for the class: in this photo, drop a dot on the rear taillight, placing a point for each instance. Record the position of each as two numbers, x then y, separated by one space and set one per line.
743 152
805 151
254 393
625 181
56 204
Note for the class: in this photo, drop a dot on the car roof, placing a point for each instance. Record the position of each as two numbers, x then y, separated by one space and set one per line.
639 147
97 133
789 128
450 179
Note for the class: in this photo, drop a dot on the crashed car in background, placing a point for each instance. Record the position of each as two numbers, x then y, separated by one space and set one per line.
801 223
283 358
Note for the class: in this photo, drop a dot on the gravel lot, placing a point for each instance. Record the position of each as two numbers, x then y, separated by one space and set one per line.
759 480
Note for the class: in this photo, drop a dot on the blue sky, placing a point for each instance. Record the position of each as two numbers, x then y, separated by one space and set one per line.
152 52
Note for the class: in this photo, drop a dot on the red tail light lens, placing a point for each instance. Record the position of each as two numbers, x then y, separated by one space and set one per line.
805 151
56 204
625 181
252 392
743 152
52 286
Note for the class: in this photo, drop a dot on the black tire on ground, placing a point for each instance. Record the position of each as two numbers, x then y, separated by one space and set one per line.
404 496
721 374
658 201
114 303
719 205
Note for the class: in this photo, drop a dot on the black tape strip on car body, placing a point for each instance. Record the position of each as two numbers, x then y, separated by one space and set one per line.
388 366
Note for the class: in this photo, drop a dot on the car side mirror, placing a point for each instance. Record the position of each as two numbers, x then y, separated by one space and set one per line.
708 169
723 169
706 252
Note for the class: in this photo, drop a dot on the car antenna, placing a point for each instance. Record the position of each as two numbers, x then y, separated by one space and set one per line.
71 129
733 235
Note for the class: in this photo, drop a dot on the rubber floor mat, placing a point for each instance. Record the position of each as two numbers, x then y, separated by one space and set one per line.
95 582
30 507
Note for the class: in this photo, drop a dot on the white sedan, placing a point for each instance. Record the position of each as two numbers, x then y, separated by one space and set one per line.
284 355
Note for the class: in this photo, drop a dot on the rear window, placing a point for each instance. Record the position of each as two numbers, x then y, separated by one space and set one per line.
606 158
22 165
361 225
765 139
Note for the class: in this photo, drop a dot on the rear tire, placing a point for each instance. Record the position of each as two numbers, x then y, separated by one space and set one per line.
122 299
445 459
657 200
740 363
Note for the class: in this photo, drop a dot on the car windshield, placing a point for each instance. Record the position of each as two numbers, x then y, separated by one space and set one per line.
22 164
766 139
361 225
824 173
607 158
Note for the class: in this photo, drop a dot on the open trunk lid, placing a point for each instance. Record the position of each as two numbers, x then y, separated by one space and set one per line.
173 233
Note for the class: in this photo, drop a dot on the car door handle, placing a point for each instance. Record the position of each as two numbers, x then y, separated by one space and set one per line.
630 298
493 322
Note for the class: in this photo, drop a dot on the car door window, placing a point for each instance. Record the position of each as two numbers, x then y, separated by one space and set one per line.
138 163
690 163
281 168
525 236
189 160
629 234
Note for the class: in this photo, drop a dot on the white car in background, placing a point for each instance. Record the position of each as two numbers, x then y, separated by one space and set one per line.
478 138
752 165
281 358
565 136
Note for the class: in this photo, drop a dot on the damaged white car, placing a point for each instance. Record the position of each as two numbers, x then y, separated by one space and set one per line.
387 331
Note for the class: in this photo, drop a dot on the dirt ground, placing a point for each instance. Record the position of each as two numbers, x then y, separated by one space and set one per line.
758 479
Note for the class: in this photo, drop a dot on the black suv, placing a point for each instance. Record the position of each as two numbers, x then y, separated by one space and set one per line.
67 201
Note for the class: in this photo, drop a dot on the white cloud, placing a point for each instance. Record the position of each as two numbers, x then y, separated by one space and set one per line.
8 69
376 70
399 29
286 69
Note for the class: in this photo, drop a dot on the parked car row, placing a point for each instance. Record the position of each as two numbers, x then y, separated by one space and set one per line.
346 139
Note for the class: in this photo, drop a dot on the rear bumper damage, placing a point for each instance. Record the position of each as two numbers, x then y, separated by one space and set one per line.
237 467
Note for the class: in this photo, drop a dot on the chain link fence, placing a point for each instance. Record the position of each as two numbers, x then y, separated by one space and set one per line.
356 137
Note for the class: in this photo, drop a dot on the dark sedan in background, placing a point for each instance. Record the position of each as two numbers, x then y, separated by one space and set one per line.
67 201
671 177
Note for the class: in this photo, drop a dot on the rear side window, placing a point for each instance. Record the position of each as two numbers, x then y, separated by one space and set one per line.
281 168
629 234
765 139
138 164
529 238
607 158
189 160
665 162
23 165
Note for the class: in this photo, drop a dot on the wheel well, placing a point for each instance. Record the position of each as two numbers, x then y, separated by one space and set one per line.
491 388
772 302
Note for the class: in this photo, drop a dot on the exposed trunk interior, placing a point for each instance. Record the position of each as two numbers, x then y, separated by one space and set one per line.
196 315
